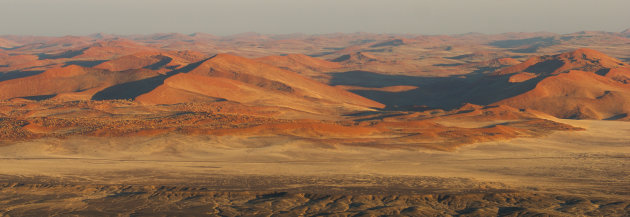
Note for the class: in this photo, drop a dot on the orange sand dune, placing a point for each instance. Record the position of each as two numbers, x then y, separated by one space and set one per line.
580 59
582 84
311 67
577 94
71 78
299 63
113 48
243 80
152 60
17 60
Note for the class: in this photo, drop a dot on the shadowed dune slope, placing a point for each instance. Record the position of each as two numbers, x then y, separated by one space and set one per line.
356 58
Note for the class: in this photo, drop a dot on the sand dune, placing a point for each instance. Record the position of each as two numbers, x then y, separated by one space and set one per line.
152 60
581 59
67 79
243 80
308 66
583 84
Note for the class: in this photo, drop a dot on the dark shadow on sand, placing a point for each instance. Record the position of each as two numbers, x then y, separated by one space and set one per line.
434 92
62 55
39 97
133 89
85 63
18 74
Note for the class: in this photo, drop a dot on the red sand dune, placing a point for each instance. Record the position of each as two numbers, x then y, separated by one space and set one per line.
576 94
134 61
243 80
152 60
17 59
583 84
580 59
113 48
68 79
311 67
299 63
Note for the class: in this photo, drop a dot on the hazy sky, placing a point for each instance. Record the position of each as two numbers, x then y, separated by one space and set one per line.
223 17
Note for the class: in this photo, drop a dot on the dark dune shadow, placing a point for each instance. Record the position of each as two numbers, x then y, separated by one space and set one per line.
39 97
449 64
85 63
436 92
602 72
131 90
18 74
528 45
515 43
510 211
617 117
530 49
383 50
545 66
165 60
62 55
393 43
12 48
341 58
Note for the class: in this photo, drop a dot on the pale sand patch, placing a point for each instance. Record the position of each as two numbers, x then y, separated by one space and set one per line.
594 161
